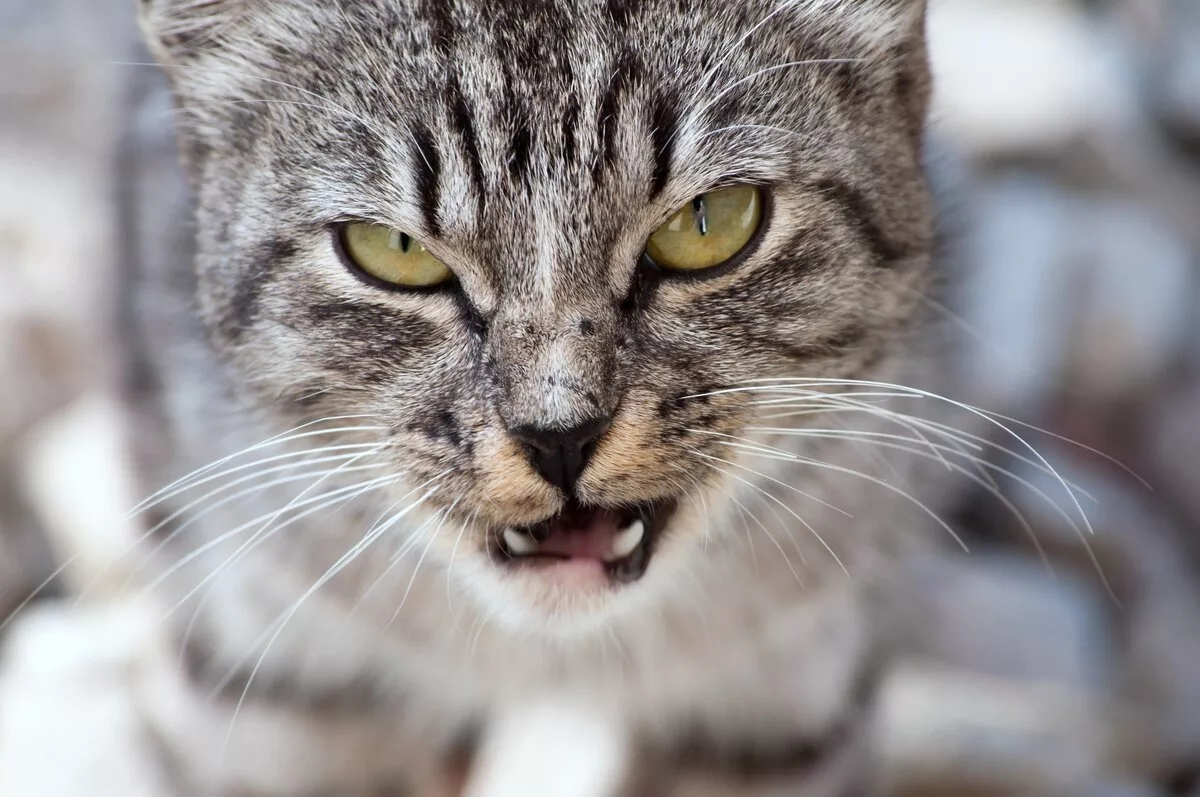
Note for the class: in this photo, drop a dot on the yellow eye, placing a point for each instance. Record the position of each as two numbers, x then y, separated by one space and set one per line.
709 230
393 256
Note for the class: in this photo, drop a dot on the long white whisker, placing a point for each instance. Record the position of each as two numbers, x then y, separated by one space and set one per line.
283 437
724 59
325 103
891 488
200 515
988 484
743 512
787 559
771 450
330 573
315 504
46 582
775 500
957 437
421 560
766 71
988 415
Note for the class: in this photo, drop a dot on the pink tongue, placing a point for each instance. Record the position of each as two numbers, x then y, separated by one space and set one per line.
587 536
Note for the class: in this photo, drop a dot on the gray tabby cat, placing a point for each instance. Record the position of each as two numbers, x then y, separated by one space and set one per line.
528 353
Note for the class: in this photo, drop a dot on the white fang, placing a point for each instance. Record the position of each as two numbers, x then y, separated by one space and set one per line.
628 539
519 543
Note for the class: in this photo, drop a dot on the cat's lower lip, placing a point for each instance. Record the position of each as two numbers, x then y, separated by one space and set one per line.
616 543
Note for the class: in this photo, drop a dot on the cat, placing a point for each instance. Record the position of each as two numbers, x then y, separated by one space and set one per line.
505 355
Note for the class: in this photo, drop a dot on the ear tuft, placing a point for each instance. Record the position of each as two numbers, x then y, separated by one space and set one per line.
177 29
881 24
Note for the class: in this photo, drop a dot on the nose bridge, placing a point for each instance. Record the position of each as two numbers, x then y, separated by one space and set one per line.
555 368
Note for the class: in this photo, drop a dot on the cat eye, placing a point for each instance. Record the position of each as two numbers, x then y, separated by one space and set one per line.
709 231
392 256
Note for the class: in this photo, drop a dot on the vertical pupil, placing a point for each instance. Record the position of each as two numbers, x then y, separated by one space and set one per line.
700 213
400 240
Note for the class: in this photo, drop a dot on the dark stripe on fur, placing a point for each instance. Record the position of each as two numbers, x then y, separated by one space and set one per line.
244 304
856 209
570 124
428 165
609 116
622 11
368 342
230 682
518 152
662 134
699 752
835 344
441 26
464 124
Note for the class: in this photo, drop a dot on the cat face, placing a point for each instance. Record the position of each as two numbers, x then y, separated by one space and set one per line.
558 395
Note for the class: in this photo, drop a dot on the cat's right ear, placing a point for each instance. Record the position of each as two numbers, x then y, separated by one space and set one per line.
178 30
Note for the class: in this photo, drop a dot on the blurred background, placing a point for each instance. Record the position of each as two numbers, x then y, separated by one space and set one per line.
1069 131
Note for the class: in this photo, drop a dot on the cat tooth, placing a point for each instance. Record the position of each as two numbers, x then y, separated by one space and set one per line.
519 543
628 539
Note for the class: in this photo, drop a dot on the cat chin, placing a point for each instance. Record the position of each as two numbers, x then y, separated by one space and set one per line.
563 601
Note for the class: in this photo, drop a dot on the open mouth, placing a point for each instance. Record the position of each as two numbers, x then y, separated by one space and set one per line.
621 541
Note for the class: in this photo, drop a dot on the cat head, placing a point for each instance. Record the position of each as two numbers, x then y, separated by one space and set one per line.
545 243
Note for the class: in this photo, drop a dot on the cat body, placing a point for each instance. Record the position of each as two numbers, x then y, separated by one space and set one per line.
347 615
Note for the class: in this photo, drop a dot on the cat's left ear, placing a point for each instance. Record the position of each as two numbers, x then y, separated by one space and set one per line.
891 34
177 30
881 24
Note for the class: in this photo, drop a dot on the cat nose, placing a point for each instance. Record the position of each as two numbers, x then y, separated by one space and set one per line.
560 455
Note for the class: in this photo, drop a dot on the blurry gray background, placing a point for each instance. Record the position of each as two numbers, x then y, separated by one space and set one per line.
1070 131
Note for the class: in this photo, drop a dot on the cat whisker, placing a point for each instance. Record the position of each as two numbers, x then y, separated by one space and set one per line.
743 513
768 70
761 128
957 437
258 475
324 103
280 623
774 499
421 560
808 397
706 81
36 591
816 463
376 531
316 504
833 400
284 437
312 506
1040 460
979 476
774 541
772 451
450 563
961 444
209 508
392 520
992 417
